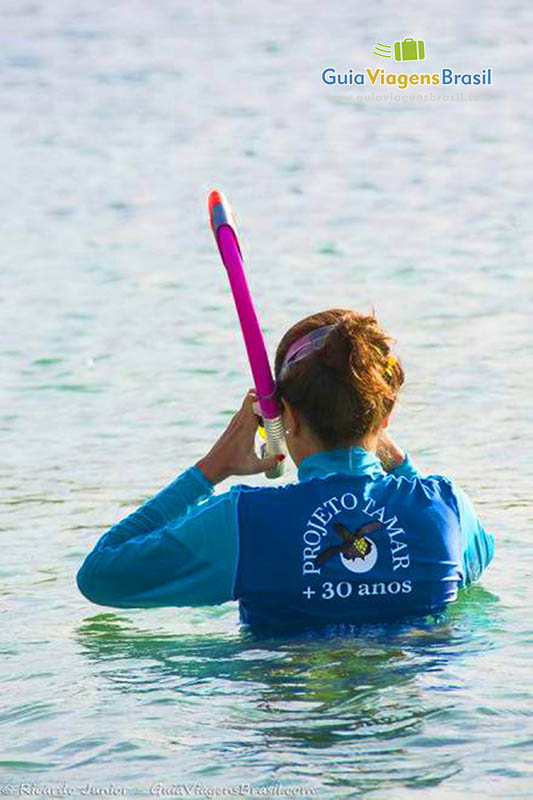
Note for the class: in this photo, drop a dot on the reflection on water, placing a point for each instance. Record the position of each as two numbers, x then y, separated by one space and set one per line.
356 704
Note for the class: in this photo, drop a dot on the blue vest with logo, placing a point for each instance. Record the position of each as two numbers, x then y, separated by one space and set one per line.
347 549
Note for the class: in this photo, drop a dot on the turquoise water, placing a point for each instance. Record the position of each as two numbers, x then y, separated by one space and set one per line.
121 362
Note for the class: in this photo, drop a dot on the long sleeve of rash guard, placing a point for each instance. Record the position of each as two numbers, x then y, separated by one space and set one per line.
173 551
478 544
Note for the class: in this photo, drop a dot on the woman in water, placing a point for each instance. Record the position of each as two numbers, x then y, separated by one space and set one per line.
360 537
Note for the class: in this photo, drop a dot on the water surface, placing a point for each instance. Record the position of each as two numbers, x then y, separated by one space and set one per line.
121 362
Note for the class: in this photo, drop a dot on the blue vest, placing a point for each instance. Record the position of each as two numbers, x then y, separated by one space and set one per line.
386 548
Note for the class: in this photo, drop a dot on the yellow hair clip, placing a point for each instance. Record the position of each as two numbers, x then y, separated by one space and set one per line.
391 362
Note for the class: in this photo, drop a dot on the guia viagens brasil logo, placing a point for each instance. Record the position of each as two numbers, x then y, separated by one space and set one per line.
408 49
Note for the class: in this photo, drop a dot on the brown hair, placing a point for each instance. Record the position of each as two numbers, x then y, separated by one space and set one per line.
345 389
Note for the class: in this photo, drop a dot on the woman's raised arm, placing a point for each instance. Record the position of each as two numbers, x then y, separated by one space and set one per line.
170 552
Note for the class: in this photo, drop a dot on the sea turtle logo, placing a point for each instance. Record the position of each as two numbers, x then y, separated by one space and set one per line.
406 50
357 552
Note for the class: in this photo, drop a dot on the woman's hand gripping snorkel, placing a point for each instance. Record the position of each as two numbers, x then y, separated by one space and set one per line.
234 452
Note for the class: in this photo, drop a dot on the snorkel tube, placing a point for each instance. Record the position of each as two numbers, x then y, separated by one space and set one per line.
225 233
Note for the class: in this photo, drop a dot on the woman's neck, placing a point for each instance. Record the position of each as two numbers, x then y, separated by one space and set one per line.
305 445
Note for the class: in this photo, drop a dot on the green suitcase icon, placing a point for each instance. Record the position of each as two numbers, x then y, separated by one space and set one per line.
409 50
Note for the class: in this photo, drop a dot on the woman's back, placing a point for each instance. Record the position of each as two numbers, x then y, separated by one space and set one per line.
351 546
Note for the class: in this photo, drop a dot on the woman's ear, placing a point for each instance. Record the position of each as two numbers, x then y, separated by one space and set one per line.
291 417
385 423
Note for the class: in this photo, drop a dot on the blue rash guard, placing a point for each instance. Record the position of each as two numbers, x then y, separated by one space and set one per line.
260 545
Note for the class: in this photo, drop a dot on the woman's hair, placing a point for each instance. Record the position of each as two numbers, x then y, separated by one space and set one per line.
346 387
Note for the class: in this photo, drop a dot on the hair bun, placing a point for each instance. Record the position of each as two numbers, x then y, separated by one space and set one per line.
338 348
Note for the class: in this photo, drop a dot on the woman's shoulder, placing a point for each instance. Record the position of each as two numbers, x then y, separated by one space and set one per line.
279 490
431 487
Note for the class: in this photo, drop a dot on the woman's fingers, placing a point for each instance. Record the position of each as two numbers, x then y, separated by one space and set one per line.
245 412
250 408
252 395
234 453
266 464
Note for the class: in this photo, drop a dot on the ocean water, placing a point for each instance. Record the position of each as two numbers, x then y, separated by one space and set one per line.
121 362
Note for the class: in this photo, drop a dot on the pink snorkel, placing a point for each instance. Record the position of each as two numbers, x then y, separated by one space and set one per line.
225 232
